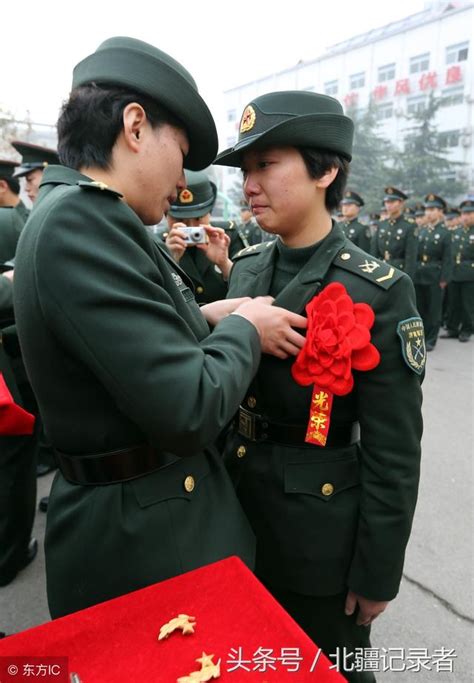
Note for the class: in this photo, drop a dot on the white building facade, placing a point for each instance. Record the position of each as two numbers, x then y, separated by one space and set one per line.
397 66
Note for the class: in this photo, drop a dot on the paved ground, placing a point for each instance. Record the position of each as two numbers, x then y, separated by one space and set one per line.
434 609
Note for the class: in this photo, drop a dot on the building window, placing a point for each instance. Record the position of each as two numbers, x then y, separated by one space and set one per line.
231 115
415 105
384 111
357 80
457 53
386 73
452 96
331 87
420 63
449 138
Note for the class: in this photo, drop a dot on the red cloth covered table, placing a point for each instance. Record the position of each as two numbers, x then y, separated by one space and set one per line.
237 620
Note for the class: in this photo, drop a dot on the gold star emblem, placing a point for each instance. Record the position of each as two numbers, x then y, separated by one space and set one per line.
186 196
248 119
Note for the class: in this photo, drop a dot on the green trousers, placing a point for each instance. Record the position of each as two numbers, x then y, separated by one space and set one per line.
324 621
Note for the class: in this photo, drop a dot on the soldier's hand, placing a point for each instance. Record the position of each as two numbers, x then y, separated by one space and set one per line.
369 610
274 326
8 274
175 241
217 249
215 311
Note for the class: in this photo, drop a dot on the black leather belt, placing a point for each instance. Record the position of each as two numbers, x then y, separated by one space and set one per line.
112 467
257 428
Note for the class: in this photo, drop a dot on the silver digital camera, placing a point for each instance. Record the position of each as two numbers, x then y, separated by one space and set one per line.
195 235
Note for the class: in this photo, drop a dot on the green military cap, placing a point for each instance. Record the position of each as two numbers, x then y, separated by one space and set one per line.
351 197
197 199
419 210
292 117
467 205
142 67
33 157
433 201
7 168
452 212
392 193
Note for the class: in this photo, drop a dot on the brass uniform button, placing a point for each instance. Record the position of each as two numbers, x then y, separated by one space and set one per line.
327 489
189 484
241 451
199 290
251 401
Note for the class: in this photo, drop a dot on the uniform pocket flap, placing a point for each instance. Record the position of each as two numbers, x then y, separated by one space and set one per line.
322 479
180 479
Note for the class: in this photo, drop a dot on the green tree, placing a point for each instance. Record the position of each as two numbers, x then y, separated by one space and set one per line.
372 154
424 165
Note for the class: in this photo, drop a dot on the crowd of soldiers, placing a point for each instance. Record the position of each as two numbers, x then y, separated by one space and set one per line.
432 243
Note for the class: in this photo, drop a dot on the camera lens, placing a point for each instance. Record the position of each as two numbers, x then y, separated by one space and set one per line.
196 235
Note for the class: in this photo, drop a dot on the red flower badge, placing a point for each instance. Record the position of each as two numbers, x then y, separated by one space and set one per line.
337 342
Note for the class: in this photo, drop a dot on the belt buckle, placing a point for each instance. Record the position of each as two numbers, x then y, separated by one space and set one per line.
247 424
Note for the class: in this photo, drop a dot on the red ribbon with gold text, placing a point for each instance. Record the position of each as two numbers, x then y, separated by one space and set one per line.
337 342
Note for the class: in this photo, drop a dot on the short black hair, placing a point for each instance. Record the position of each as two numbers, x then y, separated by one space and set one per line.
13 183
318 162
91 121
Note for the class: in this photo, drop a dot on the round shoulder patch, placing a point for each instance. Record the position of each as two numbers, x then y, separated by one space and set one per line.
412 336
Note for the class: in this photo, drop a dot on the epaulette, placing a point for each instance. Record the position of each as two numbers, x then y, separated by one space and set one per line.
359 262
254 249
224 224
96 185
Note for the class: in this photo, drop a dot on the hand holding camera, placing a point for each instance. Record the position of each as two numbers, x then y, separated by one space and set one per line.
213 241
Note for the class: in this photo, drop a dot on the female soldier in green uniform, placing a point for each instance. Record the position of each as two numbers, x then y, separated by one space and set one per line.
332 515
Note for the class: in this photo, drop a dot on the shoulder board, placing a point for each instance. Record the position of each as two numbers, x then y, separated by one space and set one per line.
224 224
253 250
360 263
101 187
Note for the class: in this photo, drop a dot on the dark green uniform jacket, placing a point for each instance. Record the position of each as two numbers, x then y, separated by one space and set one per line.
209 285
463 254
10 228
119 354
358 233
314 539
396 243
434 263
22 211
252 233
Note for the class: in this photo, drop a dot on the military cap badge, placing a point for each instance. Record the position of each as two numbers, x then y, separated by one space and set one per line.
186 196
248 119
